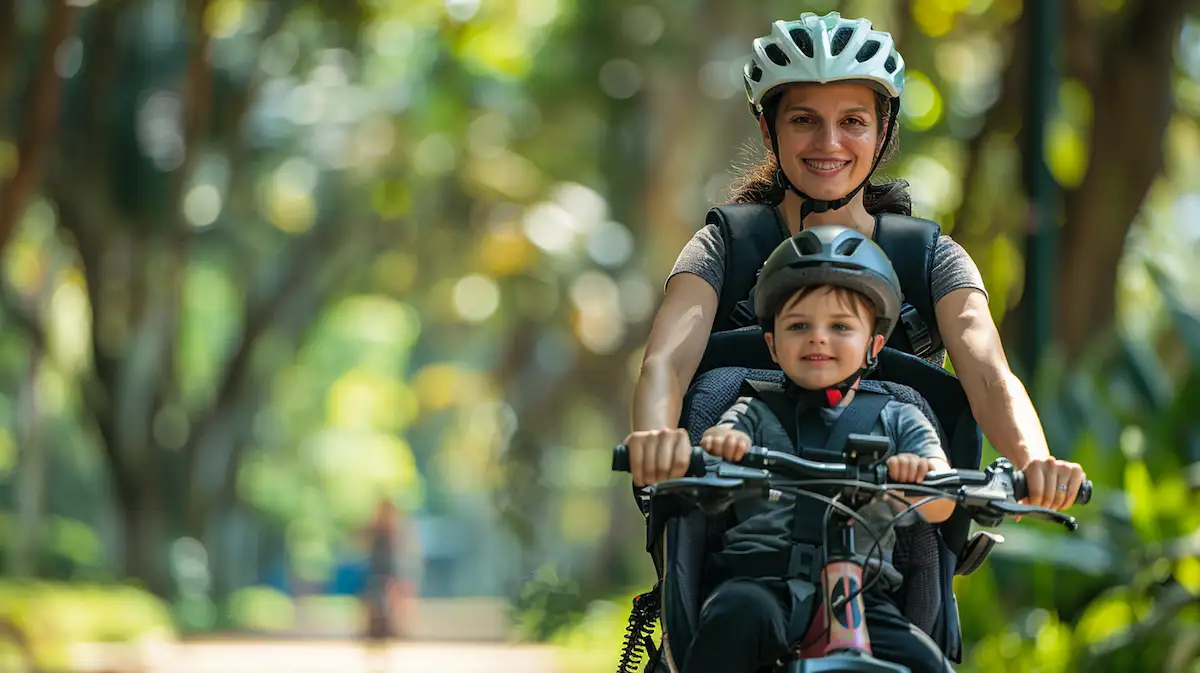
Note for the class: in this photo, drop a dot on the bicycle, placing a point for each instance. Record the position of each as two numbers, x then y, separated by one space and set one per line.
837 640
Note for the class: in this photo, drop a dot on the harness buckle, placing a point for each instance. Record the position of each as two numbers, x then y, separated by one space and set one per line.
804 562
743 314
916 330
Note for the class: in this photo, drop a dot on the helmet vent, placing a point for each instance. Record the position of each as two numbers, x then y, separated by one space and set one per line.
890 64
847 247
867 51
776 55
755 72
807 245
840 39
803 41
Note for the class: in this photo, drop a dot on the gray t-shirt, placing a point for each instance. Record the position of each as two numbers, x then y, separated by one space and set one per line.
762 526
953 269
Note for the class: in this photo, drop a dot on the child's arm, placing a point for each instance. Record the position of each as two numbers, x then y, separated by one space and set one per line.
920 452
909 468
730 439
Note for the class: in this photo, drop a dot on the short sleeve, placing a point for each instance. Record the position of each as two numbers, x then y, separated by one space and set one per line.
953 269
741 416
704 256
911 432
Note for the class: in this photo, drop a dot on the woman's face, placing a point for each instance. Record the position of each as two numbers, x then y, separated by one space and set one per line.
828 137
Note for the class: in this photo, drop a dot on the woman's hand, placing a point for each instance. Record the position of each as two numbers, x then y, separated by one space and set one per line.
725 442
1052 483
658 455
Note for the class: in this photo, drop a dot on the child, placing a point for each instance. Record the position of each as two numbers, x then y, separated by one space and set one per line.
827 300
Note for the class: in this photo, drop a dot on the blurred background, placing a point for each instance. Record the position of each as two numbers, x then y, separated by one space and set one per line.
309 301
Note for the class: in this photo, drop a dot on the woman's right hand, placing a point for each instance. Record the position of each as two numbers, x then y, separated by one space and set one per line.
658 455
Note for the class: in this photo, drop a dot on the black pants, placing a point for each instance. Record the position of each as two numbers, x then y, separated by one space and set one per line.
744 626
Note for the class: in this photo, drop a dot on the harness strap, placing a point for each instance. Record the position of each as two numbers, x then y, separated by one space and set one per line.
801 561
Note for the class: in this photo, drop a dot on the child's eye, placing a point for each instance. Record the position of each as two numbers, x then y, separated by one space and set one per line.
798 326
841 326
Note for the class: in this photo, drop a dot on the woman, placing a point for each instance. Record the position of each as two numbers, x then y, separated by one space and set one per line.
826 92
394 560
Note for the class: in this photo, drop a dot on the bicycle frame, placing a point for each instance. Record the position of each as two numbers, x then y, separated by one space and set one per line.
845 626
837 638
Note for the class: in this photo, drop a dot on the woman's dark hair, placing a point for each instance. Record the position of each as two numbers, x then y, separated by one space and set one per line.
756 183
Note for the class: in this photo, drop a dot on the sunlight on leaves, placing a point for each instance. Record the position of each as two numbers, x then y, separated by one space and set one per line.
921 106
443 385
1105 617
70 324
1139 488
1066 153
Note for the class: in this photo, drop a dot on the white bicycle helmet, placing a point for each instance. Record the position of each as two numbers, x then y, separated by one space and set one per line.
823 49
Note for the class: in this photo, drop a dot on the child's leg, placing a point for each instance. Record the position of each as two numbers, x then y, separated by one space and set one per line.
895 639
743 627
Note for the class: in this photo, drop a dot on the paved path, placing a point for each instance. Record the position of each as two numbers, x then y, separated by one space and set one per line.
319 656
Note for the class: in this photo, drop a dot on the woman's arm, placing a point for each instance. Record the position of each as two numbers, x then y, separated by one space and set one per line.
999 400
658 449
674 348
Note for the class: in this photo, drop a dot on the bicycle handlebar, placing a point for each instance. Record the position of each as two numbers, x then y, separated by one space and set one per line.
801 468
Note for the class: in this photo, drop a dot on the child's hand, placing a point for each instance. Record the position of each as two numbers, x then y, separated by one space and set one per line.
725 442
909 468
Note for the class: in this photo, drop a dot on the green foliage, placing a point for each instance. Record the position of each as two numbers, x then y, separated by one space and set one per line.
547 606
51 616
1138 604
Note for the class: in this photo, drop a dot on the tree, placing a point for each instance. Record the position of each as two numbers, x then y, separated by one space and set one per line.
1127 54
133 168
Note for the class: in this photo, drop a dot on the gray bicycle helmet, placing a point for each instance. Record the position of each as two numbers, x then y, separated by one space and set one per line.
829 255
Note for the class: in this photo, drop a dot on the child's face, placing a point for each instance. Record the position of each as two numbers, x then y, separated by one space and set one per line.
822 339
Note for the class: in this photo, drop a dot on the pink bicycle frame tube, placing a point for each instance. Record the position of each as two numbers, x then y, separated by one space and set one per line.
848 626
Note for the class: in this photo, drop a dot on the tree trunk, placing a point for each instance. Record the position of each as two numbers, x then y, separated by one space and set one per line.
31 477
39 118
146 538
1133 104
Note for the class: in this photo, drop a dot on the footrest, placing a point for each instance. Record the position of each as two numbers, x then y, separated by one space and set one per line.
976 551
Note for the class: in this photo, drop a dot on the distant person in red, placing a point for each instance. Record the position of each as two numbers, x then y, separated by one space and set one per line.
394 574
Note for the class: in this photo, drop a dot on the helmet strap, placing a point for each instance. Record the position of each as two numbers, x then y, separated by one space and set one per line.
833 395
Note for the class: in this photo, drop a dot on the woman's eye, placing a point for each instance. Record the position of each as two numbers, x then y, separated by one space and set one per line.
855 121
802 120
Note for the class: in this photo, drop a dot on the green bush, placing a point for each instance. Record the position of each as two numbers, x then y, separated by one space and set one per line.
52 616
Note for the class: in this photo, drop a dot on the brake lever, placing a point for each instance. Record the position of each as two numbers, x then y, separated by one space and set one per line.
693 485
1017 509
710 494
735 471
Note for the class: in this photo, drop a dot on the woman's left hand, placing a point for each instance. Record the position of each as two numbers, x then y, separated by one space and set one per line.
1052 483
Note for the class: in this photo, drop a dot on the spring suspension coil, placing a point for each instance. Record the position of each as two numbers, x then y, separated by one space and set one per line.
637 634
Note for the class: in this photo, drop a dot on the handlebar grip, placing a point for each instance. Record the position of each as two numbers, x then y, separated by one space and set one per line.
620 457
620 461
1020 490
